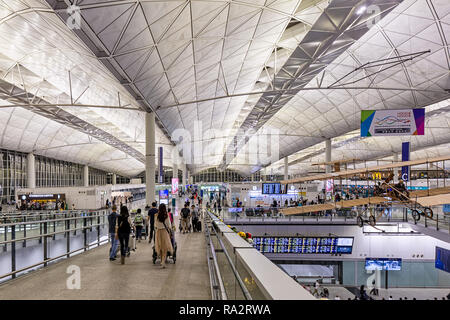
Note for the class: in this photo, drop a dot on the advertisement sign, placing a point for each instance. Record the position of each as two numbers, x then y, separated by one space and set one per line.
329 186
405 122
390 264
442 259
163 194
405 157
174 185
446 208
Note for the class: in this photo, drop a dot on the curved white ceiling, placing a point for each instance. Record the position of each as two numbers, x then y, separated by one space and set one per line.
172 52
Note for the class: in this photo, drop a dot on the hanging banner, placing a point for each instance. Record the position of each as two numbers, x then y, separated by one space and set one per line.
392 122
174 185
329 185
405 157
160 164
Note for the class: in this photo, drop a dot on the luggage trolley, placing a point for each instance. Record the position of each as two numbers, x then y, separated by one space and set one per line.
173 257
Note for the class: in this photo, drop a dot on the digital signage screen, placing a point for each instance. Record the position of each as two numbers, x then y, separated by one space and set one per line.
374 264
273 188
303 245
442 260
163 194
390 264
393 264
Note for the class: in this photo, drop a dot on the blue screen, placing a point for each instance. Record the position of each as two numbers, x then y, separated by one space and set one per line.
308 245
442 261
391 264
374 264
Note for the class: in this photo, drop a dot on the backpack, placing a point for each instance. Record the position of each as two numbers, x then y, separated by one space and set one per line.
185 213
138 219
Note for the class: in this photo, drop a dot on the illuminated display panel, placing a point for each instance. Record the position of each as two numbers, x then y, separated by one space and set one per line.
273 188
303 245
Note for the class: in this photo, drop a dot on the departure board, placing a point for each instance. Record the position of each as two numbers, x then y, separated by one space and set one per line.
303 245
273 188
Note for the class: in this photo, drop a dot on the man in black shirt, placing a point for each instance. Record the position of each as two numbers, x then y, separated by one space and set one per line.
151 219
185 216
112 218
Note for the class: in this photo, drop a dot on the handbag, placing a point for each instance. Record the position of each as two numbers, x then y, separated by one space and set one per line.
168 231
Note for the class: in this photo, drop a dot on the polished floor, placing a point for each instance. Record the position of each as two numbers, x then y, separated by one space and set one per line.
139 278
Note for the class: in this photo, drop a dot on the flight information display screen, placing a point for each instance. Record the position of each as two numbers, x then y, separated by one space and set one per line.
273 188
393 264
303 245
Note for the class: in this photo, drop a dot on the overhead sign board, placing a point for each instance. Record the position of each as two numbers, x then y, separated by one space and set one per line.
405 122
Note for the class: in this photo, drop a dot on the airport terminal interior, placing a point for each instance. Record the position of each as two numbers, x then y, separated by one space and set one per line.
224 150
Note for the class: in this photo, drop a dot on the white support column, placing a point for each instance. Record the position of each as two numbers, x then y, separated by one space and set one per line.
286 168
31 171
150 158
253 177
114 179
188 175
183 174
396 169
86 176
328 155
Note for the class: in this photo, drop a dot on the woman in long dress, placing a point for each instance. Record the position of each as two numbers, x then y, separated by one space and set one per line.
163 228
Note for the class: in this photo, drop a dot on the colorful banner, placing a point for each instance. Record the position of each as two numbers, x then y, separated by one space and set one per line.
174 185
160 165
329 185
392 122
405 157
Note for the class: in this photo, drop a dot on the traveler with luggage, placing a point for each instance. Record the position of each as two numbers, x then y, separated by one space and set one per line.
194 213
163 243
123 230
139 224
185 217
112 217
151 220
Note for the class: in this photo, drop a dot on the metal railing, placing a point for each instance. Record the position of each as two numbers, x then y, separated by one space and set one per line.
344 216
43 226
218 289
246 273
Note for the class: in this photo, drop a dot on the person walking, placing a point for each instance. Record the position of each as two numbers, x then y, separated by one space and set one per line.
194 214
112 220
123 230
185 215
151 220
163 243
139 224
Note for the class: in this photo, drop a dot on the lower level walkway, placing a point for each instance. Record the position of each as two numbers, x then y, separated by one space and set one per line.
139 278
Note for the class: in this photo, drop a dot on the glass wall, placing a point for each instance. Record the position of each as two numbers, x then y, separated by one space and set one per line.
49 173
13 169
213 175
97 177
57 173
413 274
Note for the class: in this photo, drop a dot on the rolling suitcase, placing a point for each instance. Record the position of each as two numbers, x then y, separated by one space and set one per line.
199 226
131 243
